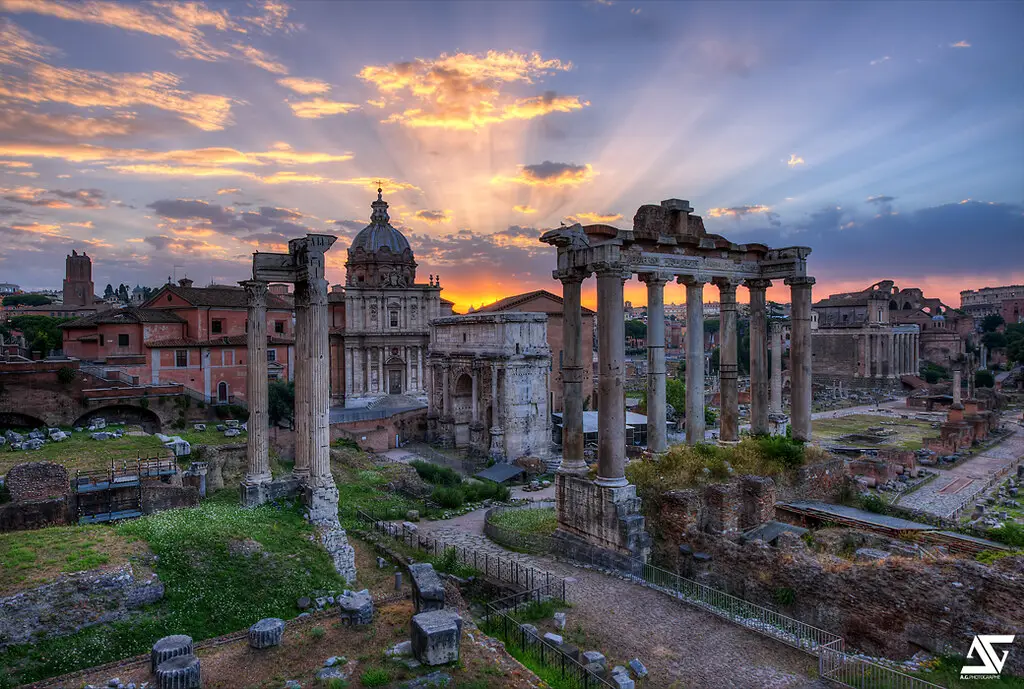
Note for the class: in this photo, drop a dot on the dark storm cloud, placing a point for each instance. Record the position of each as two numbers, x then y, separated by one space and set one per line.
226 220
549 170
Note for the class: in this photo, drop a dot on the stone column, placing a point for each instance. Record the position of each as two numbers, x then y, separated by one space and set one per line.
476 409
420 383
776 386
728 368
758 357
915 352
800 357
257 450
408 369
657 436
862 355
890 354
694 359
572 376
957 394
349 364
496 431
369 370
446 402
318 394
381 386
303 364
611 409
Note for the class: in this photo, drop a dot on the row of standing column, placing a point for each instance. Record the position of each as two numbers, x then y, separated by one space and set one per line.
887 354
611 360
359 365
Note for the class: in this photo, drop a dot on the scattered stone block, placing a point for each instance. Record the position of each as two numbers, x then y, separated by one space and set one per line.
335 660
162 438
169 647
529 629
221 427
102 435
571 651
559 618
409 526
597 670
180 672
623 681
199 427
304 603
436 636
412 516
553 639
232 433
266 633
400 650
231 423
356 607
381 562
638 668
595 657
427 589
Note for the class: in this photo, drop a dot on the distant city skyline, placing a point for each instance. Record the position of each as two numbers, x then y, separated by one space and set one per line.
887 137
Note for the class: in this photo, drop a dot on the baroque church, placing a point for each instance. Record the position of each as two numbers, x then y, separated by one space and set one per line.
381 318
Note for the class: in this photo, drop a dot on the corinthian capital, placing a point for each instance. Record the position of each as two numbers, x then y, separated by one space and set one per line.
255 292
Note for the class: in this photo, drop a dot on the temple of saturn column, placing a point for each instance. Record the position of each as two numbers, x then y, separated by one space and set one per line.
666 242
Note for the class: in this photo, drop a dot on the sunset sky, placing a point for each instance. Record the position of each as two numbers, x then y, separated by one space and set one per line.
163 137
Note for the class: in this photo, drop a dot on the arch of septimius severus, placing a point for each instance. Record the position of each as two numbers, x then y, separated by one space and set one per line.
665 243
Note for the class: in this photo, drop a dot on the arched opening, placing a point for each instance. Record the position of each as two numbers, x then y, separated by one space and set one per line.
394 373
123 413
893 306
907 306
222 393
16 421
462 407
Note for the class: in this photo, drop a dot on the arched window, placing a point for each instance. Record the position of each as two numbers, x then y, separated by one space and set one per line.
222 392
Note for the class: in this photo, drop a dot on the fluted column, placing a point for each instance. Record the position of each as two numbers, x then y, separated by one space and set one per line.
303 381
476 402
319 395
257 450
611 409
728 366
916 352
776 387
694 359
657 436
381 388
862 349
759 357
572 376
420 383
800 357
349 363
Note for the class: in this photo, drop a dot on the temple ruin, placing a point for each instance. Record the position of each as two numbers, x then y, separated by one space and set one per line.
666 242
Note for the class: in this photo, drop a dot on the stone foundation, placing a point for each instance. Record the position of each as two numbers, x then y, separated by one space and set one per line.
335 541
278 489
599 525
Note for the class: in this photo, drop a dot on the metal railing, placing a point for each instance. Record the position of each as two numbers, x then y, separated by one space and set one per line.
838 666
504 569
525 644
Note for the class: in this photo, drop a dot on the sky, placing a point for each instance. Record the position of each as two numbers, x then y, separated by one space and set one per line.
172 139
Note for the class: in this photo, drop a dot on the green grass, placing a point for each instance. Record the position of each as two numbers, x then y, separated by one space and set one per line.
210 588
366 490
946 672
909 432
211 436
375 677
539 522
80 451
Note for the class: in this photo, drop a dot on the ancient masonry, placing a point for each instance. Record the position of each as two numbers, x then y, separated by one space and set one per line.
303 266
488 376
665 243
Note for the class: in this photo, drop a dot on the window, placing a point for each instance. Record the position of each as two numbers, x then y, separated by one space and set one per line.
271 355
394 319
168 297
560 353
217 326
181 358
103 340
122 340
278 326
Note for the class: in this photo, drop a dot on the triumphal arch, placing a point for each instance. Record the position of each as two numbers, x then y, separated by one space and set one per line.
667 242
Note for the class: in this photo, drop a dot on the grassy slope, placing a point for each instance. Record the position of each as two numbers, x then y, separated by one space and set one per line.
212 587
82 452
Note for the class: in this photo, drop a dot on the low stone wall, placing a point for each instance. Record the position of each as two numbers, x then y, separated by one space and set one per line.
74 602
37 481
17 516
891 607
157 497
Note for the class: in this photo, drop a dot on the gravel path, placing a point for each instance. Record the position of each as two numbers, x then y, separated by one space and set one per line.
681 645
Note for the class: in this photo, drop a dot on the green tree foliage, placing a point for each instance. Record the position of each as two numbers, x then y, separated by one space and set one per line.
636 330
712 325
710 416
281 401
1015 342
984 379
994 340
42 333
66 375
108 292
27 300
990 322
675 395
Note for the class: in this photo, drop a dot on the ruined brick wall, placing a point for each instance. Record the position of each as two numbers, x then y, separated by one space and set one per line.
818 481
892 608
157 497
757 501
722 508
37 481
17 516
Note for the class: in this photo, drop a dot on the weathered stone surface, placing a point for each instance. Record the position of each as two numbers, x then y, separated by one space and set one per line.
596 669
869 555
356 607
553 639
436 636
335 541
75 601
37 481
169 647
559 618
400 650
638 668
435 680
529 629
595 657
266 633
623 681
427 589
180 672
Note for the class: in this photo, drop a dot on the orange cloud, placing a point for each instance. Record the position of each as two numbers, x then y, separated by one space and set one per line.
305 87
464 91
21 123
549 174
261 59
794 160
14 163
228 190
596 217
87 224
320 107
737 211
87 153
39 228
526 210
960 44
88 89
18 45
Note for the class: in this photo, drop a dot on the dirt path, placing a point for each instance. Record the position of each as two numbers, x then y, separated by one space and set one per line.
681 645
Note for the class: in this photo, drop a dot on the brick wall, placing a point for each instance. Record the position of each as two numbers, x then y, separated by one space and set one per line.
37 481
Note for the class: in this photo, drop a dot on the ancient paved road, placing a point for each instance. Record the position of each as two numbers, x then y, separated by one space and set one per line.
681 645
953 487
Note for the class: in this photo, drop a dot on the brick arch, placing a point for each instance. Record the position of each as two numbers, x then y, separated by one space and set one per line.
13 419
128 413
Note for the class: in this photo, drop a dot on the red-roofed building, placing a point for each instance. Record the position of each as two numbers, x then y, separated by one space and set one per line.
194 336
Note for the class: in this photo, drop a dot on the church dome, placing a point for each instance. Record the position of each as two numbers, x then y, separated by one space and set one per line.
380 255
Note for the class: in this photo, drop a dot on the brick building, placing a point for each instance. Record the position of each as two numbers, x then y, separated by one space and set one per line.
193 336
542 301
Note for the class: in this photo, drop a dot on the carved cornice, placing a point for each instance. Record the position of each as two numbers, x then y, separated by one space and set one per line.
757 284
800 281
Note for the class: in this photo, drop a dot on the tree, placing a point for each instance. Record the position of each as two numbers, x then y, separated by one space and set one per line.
990 322
716 358
994 340
712 325
42 333
675 396
280 401
636 330
108 292
984 379
27 300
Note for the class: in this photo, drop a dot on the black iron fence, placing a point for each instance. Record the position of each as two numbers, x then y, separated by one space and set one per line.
502 620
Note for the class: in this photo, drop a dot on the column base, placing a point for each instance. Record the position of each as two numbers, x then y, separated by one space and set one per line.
573 467
255 493
600 525
611 482
777 424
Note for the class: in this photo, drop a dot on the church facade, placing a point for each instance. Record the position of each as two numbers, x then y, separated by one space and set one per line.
381 319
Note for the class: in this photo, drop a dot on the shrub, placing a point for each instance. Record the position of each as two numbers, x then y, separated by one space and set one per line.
784 596
65 375
375 677
984 379
144 403
436 474
317 632
781 449
873 503
448 496
1010 534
